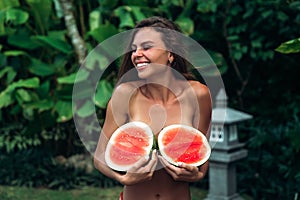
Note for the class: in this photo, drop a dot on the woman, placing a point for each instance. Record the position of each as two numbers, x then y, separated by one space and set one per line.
155 88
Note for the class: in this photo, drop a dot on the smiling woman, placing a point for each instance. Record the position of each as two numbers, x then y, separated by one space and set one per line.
167 32
149 54
155 88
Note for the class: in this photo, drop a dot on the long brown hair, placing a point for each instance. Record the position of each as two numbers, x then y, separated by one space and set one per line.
161 25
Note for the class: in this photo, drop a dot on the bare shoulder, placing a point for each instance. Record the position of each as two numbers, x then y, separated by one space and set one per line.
202 91
121 96
126 90
118 106
203 119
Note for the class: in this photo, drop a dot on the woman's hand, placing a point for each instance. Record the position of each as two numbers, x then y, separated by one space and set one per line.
142 171
183 172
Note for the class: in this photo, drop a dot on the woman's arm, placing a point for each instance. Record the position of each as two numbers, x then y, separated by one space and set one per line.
186 172
99 159
117 115
204 125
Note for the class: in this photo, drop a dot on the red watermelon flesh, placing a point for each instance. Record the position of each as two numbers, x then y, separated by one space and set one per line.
185 144
127 145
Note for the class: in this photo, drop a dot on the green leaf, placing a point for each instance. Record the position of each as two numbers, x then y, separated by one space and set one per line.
291 46
102 32
55 43
220 61
123 12
237 55
58 8
5 27
138 14
2 22
267 13
4 71
15 53
4 4
108 3
207 6
186 25
96 60
70 79
40 68
173 2
295 5
23 95
22 40
41 10
27 83
103 93
28 113
64 92
282 16
207 63
81 75
256 44
95 19
3 59
84 90
64 110
86 110
16 16
45 104
233 38
58 35
44 88
11 74
136 2
6 96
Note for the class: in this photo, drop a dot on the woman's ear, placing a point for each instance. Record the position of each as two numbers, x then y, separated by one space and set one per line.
170 57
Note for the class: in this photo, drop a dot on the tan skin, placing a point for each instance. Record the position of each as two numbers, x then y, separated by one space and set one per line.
159 100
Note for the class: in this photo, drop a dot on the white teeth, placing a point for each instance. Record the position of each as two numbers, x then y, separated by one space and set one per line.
141 64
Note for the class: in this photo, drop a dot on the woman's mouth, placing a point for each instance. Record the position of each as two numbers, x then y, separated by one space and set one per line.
141 66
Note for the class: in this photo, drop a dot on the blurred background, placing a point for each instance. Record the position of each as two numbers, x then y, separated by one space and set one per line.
255 45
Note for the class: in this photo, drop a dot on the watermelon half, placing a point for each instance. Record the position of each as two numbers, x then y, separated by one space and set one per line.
183 144
128 144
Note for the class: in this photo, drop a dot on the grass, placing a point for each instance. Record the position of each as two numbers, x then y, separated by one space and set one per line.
87 193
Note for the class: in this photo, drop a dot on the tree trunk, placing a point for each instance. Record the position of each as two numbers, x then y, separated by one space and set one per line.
77 41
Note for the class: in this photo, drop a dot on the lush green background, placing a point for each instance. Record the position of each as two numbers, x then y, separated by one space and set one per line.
39 59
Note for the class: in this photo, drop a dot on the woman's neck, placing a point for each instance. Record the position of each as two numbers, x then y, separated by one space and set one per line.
162 91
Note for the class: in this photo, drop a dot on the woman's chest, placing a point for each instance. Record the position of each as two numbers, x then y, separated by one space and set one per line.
158 115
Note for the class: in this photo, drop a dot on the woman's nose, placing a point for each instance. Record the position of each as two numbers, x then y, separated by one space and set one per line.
137 52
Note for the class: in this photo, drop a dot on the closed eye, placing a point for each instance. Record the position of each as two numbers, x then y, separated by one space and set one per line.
144 46
133 48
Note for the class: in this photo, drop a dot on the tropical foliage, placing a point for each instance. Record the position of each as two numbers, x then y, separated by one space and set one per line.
255 45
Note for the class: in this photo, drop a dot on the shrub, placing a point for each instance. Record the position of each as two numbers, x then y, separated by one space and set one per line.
272 168
37 168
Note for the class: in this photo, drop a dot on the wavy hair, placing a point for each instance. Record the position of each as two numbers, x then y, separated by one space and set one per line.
169 36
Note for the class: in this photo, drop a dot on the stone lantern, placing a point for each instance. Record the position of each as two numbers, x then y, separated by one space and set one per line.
226 150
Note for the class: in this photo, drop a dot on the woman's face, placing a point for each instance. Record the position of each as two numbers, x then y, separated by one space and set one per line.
149 54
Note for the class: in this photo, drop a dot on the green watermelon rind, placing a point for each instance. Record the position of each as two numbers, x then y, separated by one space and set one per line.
189 128
111 142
